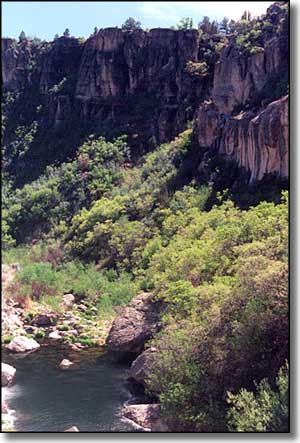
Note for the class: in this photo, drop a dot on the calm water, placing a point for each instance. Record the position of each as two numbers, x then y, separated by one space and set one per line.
88 395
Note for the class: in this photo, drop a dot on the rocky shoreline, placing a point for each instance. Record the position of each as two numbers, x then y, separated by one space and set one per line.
126 336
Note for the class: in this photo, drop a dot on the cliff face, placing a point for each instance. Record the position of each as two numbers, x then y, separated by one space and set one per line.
259 142
115 79
240 121
117 63
136 83
14 62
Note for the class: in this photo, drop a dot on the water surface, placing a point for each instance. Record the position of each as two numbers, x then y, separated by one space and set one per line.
89 395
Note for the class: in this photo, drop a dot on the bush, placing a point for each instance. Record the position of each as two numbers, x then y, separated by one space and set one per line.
40 334
199 69
38 280
266 410
7 339
223 277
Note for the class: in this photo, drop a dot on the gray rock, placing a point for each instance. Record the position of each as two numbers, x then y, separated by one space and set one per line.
72 429
7 374
22 344
4 409
135 324
45 319
65 364
68 299
142 366
145 417
54 335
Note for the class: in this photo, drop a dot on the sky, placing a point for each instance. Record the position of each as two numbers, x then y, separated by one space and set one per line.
45 19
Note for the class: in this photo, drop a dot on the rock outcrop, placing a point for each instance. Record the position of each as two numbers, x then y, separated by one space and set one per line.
145 417
257 141
15 62
241 77
246 119
7 374
134 80
135 325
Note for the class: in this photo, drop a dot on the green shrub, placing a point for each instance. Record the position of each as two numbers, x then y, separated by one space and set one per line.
266 410
63 327
7 338
52 302
38 279
40 334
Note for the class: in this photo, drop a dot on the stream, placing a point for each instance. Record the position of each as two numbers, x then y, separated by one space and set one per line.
88 395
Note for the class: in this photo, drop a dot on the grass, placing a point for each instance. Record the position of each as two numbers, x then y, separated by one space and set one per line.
53 302
7 339
63 327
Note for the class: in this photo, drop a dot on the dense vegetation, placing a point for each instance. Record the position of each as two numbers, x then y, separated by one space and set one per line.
103 225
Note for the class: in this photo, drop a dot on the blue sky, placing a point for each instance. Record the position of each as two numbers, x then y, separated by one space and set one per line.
45 19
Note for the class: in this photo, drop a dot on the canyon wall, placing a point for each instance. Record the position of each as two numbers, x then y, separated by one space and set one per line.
137 83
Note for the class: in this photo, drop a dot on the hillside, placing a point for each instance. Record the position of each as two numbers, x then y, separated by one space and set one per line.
151 168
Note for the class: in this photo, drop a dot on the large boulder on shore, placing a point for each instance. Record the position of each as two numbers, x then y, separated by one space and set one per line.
22 344
142 366
145 417
7 374
135 324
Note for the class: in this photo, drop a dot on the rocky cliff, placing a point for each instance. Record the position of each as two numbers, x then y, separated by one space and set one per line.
246 119
134 80
137 83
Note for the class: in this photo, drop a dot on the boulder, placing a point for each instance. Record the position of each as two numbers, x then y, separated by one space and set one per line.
68 299
145 417
44 319
22 344
65 364
141 368
54 335
4 409
135 325
7 374
72 429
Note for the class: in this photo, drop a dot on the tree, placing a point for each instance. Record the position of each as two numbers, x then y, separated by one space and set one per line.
231 26
67 32
214 27
56 36
204 25
22 36
130 24
246 16
95 30
185 23
224 25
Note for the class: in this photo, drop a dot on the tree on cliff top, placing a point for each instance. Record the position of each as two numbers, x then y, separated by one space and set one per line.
67 32
131 24
185 23
22 36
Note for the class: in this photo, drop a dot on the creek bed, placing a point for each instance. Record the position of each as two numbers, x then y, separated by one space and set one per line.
88 395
